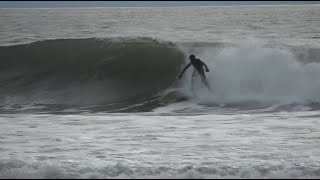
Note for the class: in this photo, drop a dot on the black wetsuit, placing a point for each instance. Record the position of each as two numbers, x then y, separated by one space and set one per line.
198 65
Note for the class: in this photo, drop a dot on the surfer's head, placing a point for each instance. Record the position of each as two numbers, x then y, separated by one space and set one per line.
192 57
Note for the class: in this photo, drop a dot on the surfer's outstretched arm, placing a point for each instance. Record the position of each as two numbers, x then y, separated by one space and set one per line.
207 69
184 69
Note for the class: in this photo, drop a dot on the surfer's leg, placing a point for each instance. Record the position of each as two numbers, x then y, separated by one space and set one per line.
206 83
193 78
204 79
202 75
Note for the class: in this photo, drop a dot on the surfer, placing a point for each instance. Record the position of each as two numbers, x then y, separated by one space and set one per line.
198 65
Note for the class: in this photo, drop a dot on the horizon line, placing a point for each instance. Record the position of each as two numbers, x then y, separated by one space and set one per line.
114 7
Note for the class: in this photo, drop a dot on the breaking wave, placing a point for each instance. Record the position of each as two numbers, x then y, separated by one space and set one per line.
256 73
140 74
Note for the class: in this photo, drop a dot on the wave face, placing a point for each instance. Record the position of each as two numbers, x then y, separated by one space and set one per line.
63 73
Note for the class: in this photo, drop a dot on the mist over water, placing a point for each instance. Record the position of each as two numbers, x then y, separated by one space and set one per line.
93 93
256 71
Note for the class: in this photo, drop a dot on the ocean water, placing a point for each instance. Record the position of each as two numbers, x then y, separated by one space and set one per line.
93 92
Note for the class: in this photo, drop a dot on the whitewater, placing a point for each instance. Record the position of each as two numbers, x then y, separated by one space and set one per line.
93 92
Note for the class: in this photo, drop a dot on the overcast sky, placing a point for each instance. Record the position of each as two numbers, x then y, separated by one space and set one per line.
56 4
